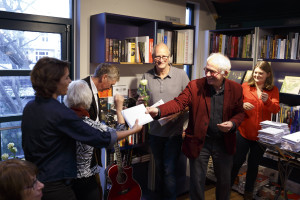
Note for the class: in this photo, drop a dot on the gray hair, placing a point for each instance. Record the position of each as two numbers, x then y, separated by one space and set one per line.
79 95
112 71
220 61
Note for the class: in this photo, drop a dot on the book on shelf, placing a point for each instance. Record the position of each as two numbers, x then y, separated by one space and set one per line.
106 49
150 50
247 76
144 41
168 38
291 85
237 76
115 56
110 55
160 35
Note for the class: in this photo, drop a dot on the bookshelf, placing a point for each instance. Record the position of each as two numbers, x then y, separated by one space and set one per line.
261 47
106 27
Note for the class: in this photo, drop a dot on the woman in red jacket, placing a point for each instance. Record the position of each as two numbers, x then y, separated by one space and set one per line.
261 99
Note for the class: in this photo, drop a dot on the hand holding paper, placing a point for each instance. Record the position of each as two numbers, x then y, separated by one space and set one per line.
136 112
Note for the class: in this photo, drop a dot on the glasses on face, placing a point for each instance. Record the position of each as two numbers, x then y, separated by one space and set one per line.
34 185
212 72
164 58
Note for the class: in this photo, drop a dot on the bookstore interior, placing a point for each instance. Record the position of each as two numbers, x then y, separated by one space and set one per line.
247 39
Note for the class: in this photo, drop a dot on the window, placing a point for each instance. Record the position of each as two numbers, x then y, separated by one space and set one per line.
24 39
189 20
52 8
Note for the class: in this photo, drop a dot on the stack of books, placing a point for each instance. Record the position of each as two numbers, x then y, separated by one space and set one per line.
291 142
272 132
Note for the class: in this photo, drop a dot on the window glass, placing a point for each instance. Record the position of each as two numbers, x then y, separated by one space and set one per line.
15 92
24 48
11 133
51 8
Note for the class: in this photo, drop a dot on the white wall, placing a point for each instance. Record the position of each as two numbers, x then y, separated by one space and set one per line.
153 9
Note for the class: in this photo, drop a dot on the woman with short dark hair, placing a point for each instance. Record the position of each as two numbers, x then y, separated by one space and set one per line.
50 130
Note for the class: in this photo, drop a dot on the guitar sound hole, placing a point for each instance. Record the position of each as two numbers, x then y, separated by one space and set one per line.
121 178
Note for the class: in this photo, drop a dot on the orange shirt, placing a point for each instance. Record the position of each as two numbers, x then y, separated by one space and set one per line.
261 111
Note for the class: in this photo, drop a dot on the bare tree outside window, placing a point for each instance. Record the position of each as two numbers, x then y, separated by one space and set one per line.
19 51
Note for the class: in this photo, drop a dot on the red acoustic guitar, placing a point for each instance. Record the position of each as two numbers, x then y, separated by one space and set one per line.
124 187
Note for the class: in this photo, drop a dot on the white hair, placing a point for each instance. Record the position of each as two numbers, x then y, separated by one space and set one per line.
79 95
220 61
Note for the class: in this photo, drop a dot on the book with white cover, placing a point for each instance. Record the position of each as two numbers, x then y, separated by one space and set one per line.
137 112
293 137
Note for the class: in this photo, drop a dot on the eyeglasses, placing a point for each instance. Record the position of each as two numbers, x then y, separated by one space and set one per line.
212 73
161 57
34 185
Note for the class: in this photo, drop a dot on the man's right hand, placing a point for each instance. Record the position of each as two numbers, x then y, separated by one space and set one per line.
152 111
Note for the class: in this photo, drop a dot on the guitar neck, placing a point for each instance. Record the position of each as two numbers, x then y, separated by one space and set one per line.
118 154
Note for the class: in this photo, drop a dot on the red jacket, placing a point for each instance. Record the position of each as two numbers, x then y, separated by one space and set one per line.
197 97
261 111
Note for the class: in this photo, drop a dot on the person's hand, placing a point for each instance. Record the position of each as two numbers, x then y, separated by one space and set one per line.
137 128
152 111
248 106
183 135
225 126
118 100
140 100
264 96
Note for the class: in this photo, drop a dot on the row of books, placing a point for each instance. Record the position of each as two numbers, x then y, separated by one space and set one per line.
180 44
132 50
280 46
232 46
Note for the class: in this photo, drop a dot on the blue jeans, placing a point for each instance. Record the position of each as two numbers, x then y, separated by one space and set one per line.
222 163
166 151
256 152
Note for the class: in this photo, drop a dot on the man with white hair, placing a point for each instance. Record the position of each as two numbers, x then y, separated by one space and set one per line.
215 111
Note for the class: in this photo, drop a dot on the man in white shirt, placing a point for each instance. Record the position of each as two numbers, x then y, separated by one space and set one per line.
103 78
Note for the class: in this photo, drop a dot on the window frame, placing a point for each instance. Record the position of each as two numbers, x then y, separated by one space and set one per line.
27 22
37 23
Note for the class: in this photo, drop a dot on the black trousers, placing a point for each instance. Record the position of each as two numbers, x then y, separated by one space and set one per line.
58 190
255 153
86 188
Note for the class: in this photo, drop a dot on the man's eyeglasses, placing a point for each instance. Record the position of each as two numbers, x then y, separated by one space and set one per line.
161 57
212 72
34 184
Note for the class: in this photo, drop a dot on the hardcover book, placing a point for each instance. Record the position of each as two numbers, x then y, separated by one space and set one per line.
137 112
291 85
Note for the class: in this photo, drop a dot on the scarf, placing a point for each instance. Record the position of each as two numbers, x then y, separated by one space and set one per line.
80 112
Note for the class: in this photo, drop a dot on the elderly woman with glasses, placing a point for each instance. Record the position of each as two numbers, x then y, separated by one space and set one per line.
18 181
